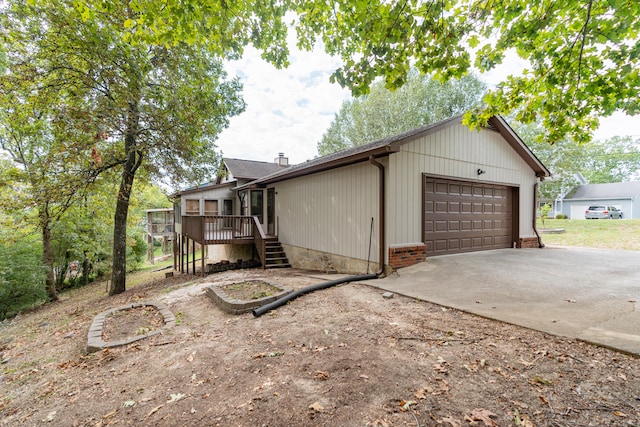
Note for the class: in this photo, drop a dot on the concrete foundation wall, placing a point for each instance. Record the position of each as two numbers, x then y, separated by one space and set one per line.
229 252
309 259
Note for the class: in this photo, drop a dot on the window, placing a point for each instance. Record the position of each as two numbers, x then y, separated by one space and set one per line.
210 207
193 207
227 207
256 204
177 212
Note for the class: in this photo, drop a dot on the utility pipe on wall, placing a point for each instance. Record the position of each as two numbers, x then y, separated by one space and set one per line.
535 213
381 216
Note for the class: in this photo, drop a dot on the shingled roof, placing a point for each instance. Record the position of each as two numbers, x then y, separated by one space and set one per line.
240 169
617 190
250 169
392 144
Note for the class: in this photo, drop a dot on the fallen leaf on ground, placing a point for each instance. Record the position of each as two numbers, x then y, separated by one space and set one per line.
316 406
405 405
176 397
321 375
523 420
481 414
421 394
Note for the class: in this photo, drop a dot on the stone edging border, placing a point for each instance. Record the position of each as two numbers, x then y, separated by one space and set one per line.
94 337
233 306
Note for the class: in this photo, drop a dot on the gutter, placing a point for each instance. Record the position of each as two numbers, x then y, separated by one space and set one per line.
382 218
535 212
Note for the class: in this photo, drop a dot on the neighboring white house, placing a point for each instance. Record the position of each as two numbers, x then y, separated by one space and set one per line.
439 189
625 196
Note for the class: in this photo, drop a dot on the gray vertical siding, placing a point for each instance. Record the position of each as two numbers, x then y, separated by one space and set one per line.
215 193
455 152
331 211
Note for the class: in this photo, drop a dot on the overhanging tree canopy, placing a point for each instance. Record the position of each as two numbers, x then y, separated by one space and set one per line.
584 56
146 106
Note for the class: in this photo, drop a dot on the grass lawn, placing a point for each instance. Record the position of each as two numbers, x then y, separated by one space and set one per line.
594 233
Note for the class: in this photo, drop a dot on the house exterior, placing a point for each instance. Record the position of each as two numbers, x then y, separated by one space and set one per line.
439 189
159 226
625 196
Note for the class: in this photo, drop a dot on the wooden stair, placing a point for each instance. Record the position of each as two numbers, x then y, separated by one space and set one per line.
274 254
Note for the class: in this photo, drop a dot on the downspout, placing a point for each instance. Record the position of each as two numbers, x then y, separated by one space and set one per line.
382 219
535 212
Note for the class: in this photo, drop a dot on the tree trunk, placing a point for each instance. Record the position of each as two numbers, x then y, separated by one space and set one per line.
47 260
85 270
134 159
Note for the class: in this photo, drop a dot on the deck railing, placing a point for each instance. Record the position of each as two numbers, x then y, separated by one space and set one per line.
215 229
221 229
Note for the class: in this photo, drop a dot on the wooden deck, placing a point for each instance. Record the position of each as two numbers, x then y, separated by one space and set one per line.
228 229
220 229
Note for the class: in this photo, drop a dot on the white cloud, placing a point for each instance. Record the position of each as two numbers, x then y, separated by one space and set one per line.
289 110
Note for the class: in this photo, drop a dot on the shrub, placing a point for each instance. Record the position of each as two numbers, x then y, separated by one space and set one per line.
561 216
22 277
136 252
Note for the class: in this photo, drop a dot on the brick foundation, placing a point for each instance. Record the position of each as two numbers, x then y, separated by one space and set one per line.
529 242
406 255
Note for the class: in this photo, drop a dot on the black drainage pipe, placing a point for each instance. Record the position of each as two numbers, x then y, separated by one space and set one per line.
257 312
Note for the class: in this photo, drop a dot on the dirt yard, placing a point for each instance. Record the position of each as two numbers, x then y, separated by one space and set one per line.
343 356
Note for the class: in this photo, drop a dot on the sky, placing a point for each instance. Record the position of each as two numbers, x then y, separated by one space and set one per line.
289 110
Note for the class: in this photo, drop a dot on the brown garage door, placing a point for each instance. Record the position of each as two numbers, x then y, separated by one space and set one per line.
461 216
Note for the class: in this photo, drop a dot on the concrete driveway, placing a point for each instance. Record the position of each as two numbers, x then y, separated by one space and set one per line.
588 294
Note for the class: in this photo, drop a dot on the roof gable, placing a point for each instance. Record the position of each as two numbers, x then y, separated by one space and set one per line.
392 144
616 190
250 169
240 171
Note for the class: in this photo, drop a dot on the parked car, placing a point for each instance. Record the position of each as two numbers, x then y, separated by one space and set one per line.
602 212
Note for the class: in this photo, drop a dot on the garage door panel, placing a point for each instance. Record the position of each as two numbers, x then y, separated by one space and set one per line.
441 245
442 187
462 216
453 244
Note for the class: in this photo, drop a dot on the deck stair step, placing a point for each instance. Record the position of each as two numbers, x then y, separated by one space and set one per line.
275 257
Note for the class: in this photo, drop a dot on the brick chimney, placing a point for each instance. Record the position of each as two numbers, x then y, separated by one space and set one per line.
282 160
